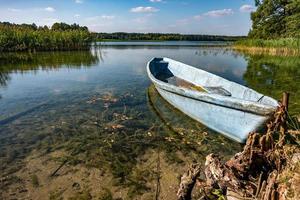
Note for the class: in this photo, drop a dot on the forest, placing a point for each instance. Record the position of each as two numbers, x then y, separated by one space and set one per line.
30 37
163 37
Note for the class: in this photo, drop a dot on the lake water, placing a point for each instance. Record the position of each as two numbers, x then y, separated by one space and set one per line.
90 124
165 43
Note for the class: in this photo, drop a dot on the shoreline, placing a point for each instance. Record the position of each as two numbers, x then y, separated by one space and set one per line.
119 40
275 51
241 46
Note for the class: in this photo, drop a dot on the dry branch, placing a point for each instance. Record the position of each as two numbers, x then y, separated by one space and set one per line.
188 181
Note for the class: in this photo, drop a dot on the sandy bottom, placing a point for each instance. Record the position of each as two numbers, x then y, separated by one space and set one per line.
79 182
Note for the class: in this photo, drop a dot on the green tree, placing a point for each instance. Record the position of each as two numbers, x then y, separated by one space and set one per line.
275 19
293 19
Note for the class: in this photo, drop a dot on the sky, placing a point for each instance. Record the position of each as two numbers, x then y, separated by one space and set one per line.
217 17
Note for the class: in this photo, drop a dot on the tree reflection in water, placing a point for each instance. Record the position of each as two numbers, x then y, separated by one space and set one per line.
272 75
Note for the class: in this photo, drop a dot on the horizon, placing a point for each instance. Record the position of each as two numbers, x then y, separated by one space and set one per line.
224 18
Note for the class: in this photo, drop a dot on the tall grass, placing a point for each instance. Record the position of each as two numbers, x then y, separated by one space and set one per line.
280 46
22 38
293 43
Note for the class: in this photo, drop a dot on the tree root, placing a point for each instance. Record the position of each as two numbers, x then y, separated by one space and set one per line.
250 174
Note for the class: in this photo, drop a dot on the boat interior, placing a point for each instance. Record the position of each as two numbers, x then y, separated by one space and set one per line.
162 72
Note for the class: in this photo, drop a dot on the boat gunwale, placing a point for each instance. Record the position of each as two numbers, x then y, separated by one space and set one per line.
215 99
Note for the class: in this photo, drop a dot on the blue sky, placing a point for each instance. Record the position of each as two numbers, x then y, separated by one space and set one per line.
220 17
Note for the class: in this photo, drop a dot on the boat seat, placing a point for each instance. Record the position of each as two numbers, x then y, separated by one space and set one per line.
217 90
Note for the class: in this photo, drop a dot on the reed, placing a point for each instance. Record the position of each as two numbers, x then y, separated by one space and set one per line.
14 37
281 46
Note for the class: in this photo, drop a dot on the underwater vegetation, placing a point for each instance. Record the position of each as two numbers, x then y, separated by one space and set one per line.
114 133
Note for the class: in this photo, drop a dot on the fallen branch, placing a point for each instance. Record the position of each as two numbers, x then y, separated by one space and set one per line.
188 181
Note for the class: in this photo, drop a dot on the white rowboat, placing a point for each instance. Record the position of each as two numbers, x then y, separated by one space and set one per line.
224 106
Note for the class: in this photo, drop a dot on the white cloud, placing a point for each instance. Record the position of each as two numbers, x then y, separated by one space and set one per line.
142 9
77 15
97 18
155 1
140 20
14 10
144 19
79 1
198 17
94 18
109 17
182 21
49 9
219 13
247 8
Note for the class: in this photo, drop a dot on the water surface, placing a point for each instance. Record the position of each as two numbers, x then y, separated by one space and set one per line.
165 43
90 123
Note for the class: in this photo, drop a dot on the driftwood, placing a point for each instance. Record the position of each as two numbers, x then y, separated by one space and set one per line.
188 181
250 174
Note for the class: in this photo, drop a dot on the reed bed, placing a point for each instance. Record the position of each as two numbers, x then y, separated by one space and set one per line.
282 46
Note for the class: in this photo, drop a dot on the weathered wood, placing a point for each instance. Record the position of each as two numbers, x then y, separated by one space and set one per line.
188 181
285 100
219 175
270 190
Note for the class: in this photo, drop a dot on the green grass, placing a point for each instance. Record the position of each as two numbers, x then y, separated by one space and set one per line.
290 43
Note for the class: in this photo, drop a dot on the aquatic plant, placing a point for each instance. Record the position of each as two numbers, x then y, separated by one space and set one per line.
280 46
27 37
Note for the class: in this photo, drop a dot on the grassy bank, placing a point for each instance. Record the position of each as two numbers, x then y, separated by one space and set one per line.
282 46
29 37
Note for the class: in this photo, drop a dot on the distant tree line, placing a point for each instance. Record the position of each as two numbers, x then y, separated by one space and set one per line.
62 36
163 36
276 19
30 37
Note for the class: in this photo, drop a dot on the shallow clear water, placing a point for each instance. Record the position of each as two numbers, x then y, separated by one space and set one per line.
98 110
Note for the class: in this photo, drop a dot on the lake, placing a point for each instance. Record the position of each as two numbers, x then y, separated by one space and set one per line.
165 43
90 124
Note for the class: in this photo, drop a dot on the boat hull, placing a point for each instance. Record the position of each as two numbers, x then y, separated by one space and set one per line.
233 123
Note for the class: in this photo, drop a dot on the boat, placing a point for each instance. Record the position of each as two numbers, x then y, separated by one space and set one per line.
227 107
